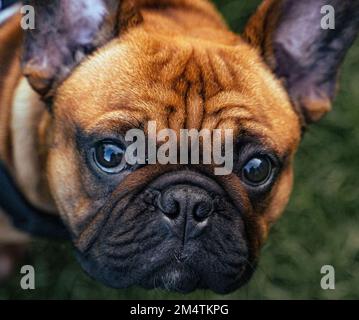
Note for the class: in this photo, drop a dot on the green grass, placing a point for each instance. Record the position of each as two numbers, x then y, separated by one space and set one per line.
320 225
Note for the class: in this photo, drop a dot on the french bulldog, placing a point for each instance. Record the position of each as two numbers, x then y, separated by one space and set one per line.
90 71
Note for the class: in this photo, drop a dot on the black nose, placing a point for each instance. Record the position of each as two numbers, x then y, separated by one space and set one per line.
188 209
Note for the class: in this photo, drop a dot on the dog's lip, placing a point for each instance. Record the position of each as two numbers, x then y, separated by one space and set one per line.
183 278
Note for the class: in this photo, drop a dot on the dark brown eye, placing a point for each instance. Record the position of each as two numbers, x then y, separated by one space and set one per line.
257 171
109 157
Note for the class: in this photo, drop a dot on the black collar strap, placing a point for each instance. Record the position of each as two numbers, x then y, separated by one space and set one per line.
24 216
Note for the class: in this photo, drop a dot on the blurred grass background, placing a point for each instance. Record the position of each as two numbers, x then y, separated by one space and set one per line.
320 226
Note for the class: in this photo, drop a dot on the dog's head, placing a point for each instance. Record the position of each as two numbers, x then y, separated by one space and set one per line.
178 226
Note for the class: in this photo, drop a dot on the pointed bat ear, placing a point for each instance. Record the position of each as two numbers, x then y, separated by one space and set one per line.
305 55
66 31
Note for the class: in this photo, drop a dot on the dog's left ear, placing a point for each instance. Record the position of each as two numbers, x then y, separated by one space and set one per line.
66 31
295 42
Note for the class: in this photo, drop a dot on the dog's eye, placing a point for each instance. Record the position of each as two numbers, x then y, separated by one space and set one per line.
257 171
109 157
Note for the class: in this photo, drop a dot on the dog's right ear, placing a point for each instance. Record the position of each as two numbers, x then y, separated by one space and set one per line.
301 52
66 31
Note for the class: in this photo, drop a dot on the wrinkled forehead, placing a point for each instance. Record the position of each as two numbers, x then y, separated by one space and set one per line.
179 84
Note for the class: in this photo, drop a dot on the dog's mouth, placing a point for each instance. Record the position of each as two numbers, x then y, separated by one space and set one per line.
184 277
180 234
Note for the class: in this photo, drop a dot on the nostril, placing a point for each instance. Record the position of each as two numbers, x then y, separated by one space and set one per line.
202 210
169 206
172 210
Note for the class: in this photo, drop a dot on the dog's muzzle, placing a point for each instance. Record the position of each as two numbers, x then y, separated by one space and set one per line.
182 232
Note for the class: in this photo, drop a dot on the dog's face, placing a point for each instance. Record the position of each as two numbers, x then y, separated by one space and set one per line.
180 227
175 226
